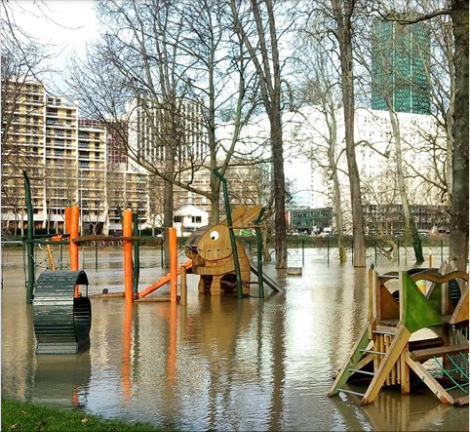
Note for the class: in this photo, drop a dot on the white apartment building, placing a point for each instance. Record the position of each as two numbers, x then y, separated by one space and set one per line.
66 160
306 142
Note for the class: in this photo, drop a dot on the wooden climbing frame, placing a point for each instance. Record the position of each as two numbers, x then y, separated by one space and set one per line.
387 352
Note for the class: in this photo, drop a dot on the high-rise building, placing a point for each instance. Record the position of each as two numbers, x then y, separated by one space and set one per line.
400 61
67 161
156 128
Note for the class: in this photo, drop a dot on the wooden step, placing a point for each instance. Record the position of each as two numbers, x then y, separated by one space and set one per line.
425 354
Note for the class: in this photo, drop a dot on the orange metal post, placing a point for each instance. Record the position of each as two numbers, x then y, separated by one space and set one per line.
68 219
73 248
128 266
173 263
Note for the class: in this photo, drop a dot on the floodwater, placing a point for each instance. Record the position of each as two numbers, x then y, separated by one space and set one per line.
216 364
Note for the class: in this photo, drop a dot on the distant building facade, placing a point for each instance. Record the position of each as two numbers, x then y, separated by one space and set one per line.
400 59
66 159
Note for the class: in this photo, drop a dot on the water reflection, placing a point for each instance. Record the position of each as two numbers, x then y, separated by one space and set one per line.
218 363
62 379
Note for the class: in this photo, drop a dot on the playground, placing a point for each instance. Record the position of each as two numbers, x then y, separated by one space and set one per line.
218 341
218 363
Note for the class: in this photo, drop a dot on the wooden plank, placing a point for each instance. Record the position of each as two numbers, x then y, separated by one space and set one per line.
393 354
429 380
389 308
461 401
461 310
433 276
426 354
351 362
246 218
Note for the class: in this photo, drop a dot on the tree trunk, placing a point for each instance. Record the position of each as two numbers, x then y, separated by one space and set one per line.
168 200
459 197
279 191
409 219
344 34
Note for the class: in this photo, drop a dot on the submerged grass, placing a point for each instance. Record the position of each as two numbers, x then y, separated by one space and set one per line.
24 416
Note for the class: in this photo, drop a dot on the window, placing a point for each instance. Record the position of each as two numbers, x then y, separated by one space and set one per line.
178 219
196 219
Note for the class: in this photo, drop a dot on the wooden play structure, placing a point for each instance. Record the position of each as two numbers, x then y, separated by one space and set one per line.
212 256
221 260
418 328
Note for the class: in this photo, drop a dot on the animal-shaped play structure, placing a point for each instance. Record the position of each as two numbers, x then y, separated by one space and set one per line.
212 255
391 346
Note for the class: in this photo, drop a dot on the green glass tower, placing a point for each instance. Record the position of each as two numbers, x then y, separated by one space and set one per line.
400 59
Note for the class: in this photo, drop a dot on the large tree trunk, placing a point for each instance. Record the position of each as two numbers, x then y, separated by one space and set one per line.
459 197
168 199
343 21
409 219
279 191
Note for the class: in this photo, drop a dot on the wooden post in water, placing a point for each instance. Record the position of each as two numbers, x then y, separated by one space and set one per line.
128 270
184 287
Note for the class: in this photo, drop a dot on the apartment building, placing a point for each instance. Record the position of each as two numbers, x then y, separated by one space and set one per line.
158 129
67 161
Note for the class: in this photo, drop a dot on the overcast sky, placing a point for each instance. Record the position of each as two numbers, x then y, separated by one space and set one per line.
66 26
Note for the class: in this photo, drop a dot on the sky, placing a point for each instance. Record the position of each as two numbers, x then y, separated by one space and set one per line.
65 26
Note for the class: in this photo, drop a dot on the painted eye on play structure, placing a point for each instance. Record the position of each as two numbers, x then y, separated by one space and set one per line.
214 235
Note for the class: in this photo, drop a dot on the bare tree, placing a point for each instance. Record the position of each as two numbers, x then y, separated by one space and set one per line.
179 63
458 12
387 88
263 47
320 91
342 13
21 63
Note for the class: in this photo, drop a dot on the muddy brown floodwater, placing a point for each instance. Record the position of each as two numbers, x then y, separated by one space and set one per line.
216 364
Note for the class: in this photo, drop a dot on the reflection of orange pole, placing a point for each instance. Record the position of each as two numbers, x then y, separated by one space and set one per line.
171 371
75 396
73 248
126 352
128 270
173 263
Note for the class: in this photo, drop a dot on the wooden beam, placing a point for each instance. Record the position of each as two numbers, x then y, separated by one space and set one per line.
426 354
429 380
461 310
393 354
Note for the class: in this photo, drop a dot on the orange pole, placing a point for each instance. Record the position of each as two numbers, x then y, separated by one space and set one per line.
128 266
68 219
173 263
74 214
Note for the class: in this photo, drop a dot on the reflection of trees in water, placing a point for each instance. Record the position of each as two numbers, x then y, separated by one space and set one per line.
62 379
18 348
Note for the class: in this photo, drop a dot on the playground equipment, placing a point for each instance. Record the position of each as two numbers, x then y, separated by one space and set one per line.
211 253
62 320
386 351
220 259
